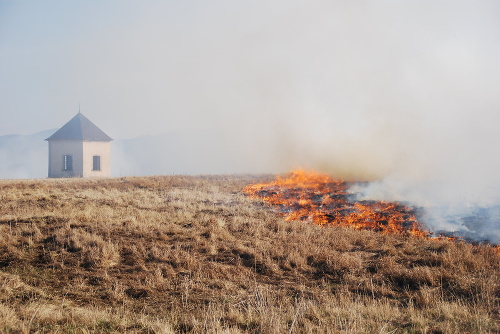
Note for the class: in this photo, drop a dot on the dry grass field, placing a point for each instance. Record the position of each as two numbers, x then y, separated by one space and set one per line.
177 254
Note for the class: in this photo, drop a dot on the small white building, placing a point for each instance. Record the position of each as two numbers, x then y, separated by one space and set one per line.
79 149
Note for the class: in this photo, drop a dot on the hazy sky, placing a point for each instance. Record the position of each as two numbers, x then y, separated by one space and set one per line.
406 91
140 67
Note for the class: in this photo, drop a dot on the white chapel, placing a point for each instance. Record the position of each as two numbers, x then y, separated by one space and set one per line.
79 149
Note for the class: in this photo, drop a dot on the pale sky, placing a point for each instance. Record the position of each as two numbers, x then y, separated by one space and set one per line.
142 67
407 91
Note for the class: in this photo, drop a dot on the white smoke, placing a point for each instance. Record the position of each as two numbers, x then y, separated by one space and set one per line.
408 99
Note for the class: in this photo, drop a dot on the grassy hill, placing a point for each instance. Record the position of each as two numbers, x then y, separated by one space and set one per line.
179 254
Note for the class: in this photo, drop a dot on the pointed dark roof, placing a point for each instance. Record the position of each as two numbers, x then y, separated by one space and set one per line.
80 128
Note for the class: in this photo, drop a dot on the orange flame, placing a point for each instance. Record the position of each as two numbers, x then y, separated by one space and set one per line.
317 198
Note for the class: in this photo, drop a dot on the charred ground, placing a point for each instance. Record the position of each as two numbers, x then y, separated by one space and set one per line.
195 255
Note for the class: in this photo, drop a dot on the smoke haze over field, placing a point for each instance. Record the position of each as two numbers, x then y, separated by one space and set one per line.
401 92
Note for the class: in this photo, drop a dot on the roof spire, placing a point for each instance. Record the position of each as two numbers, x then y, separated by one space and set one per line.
79 108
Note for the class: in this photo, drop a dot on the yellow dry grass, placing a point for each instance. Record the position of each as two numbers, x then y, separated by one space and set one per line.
177 254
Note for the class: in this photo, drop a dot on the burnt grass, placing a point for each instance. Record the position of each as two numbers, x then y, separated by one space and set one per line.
178 254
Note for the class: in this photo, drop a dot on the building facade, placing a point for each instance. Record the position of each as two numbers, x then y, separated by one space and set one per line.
79 149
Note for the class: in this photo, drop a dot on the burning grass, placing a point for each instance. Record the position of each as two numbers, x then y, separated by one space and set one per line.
195 255
324 201
319 199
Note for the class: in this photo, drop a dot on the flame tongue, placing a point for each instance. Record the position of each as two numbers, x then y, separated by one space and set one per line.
309 196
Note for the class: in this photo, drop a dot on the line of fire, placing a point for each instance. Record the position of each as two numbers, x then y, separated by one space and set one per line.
317 198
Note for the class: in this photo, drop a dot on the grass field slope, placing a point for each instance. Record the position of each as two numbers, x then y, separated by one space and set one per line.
178 254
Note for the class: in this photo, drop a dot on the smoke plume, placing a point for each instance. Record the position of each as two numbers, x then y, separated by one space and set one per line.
406 99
